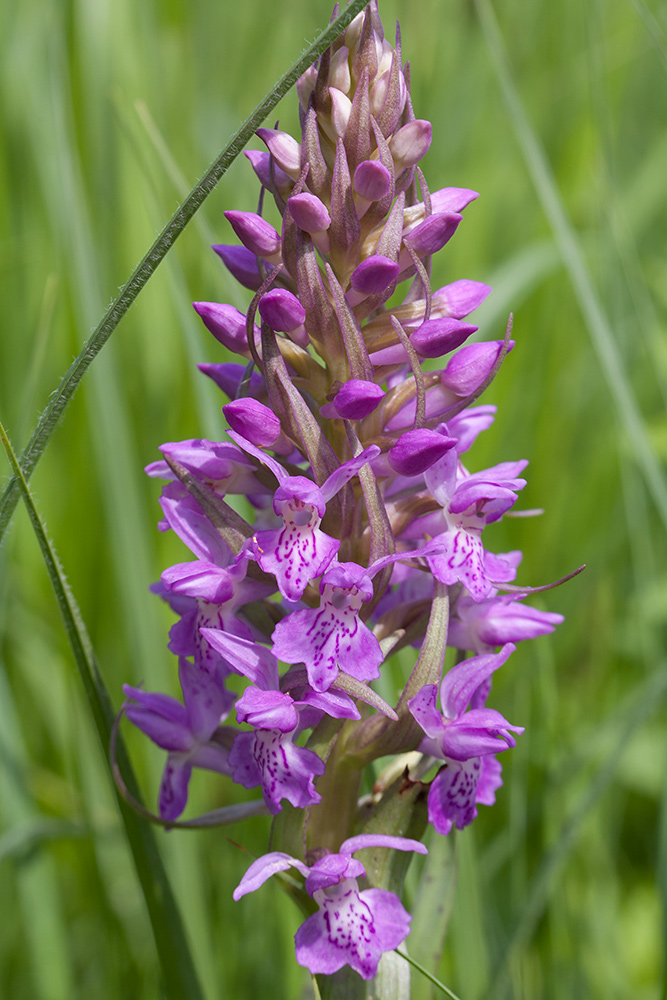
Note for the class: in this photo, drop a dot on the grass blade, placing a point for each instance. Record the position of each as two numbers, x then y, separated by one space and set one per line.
575 263
149 263
180 977
420 968
651 694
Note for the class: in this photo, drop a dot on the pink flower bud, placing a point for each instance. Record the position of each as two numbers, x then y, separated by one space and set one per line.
339 70
357 398
228 377
374 274
452 199
261 163
241 264
417 450
226 323
256 234
341 106
254 421
372 180
440 336
281 310
471 365
410 143
459 298
432 234
285 150
309 212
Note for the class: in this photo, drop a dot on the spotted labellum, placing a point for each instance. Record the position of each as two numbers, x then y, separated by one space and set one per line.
351 404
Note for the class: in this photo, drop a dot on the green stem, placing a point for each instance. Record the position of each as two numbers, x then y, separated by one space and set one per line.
178 970
59 400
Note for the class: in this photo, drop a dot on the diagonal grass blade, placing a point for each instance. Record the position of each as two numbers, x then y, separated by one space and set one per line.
179 975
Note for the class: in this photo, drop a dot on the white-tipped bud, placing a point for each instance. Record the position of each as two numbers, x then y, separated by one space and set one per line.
341 106
305 85
339 70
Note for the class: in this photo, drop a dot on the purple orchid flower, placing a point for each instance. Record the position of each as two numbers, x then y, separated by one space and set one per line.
268 756
219 465
299 552
350 927
260 666
333 637
481 625
186 731
463 735
469 503
214 583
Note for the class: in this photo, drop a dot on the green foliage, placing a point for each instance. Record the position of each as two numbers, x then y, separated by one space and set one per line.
110 112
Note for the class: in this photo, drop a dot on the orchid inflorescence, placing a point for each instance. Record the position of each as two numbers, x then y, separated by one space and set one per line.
367 536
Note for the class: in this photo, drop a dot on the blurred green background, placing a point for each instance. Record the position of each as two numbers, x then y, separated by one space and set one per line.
110 112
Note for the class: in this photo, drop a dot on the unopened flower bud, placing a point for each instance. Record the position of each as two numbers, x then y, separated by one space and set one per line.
339 70
281 310
226 323
459 298
305 85
228 377
355 400
256 234
309 212
285 150
254 421
410 143
372 180
267 175
341 106
417 450
433 233
440 336
374 275
452 199
241 263
471 365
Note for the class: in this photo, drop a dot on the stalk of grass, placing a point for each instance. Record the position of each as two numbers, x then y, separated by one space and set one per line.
179 975
575 263
648 697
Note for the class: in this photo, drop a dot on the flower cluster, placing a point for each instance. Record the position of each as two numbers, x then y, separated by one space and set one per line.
350 414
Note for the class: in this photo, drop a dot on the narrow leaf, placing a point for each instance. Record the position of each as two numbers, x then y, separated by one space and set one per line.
179 975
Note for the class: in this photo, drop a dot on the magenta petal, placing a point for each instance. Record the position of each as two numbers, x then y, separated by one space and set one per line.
423 709
282 310
199 579
453 794
173 795
478 732
357 398
461 682
245 657
241 263
267 710
263 868
332 869
490 780
362 840
294 555
351 928
168 735
254 421
205 699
